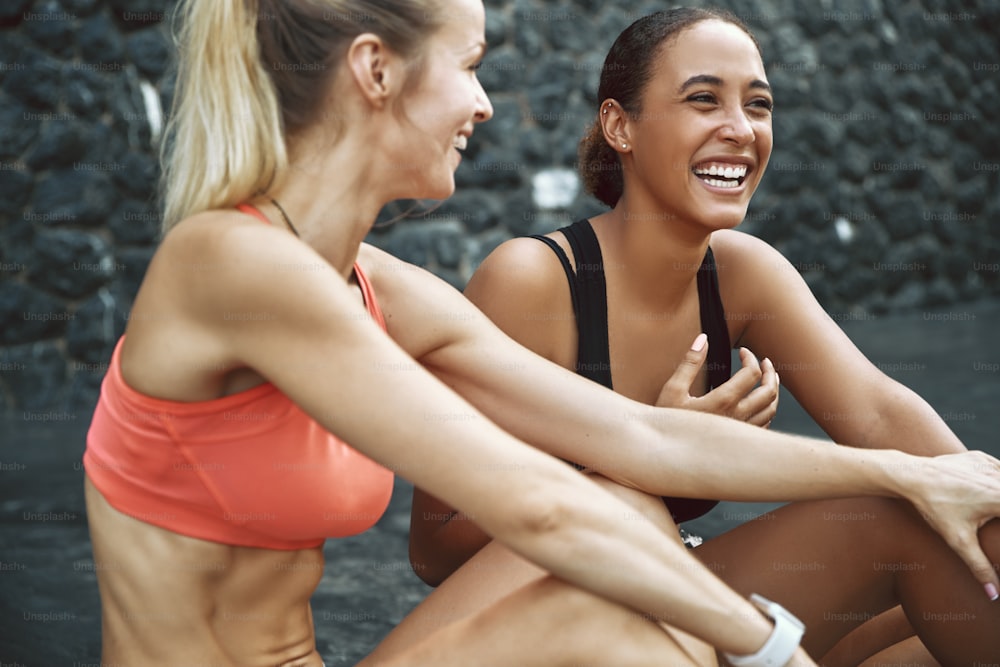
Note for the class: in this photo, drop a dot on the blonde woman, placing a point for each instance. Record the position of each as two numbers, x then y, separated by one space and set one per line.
276 372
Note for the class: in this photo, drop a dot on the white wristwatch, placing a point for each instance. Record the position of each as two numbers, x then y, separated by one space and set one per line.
781 645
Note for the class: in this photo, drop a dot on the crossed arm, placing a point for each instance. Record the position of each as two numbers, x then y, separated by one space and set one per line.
319 346
691 455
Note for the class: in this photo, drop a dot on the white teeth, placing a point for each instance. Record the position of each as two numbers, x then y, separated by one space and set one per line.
725 171
461 141
722 184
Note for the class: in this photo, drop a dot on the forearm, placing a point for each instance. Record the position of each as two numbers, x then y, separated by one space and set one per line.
661 451
607 547
706 456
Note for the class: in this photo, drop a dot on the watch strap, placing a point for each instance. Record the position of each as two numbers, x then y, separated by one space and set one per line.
782 642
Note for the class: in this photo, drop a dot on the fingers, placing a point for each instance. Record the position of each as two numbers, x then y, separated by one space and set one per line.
957 505
738 398
725 398
677 390
760 405
968 548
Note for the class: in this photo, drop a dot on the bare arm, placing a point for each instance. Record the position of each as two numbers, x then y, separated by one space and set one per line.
674 452
848 396
314 341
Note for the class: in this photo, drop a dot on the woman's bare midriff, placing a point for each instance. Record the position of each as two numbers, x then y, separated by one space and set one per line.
168 599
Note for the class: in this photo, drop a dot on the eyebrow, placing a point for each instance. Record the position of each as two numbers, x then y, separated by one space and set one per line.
716 81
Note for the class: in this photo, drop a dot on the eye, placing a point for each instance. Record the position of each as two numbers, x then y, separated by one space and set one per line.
762 103
702 98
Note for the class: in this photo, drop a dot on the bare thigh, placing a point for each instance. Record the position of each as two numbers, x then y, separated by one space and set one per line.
495 572
546 623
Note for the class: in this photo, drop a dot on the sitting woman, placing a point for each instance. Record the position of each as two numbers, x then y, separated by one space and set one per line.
681 140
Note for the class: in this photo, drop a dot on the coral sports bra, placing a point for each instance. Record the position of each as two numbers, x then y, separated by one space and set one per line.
250 469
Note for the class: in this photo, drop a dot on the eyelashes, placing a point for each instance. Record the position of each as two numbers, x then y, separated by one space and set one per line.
762 103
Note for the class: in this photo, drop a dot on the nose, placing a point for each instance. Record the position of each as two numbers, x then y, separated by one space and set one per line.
737 128
484 109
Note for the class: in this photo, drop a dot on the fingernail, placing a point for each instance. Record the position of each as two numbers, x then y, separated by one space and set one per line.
699 342
991 592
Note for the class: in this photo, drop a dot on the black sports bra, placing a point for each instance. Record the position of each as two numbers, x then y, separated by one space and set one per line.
588 292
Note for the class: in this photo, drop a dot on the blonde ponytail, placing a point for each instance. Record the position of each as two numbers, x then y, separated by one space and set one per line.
224 139
253 73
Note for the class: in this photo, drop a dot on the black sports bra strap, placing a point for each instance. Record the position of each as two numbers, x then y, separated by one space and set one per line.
713 323
567 267
593 358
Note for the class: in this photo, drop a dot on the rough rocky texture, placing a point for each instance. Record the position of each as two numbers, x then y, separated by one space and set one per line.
882 186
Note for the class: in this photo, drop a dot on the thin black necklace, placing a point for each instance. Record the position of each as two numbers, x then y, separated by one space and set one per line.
284 216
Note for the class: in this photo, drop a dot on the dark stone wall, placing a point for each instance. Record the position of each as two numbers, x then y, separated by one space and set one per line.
882 187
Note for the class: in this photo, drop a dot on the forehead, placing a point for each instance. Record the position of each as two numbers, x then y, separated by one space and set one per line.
463 22
711 47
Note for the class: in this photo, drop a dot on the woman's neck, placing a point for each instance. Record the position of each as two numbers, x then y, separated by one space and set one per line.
657 256
331 196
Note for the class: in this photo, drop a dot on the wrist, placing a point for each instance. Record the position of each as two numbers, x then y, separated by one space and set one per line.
781 643
901 473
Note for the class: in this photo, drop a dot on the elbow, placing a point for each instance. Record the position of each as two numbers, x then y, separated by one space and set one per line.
541 515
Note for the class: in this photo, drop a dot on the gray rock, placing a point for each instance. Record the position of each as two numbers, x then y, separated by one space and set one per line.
130 267
84 387
477 211
70 262
101 44
139 175
51 27
12 12
503 70
61 144
15 190
529 27
36 378
136 14
90 337
86 94
135 222
149 50
28 314
494 168
79 197
901 215
497 28
38 83
81 7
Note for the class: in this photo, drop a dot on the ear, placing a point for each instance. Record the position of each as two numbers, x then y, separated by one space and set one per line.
373 67
616 126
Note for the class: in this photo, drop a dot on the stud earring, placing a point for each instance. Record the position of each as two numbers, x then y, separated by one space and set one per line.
624 145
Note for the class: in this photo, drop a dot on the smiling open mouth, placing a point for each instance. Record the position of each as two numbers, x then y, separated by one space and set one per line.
721 175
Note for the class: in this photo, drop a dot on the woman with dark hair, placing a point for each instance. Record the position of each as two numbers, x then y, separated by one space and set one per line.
681 140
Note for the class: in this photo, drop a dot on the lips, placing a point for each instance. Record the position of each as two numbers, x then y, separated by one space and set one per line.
461 142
